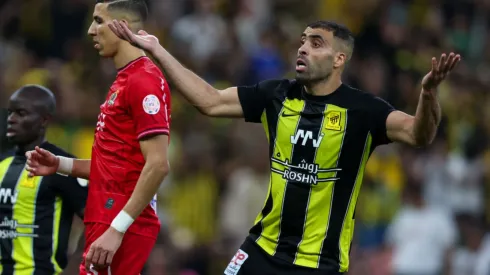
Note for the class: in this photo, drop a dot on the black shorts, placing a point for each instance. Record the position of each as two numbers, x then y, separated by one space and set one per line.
250 259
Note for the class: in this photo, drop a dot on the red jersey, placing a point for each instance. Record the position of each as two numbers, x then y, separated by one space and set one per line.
137 105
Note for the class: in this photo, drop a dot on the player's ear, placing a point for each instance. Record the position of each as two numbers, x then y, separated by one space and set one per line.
339 59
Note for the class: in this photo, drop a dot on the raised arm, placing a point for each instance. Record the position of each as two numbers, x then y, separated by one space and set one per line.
420 130
41 162
207 99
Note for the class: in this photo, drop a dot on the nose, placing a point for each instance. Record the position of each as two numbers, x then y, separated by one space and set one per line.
302 51
11 118
91 30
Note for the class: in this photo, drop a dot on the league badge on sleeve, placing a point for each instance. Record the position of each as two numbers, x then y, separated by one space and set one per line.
112 99
151 104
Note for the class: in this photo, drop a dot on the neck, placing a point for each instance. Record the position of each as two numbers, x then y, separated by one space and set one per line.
30 146
126 54
325 86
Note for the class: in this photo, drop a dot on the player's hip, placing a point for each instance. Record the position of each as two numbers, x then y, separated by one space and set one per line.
129 259
252 259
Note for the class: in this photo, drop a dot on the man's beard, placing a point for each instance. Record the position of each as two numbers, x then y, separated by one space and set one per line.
309 79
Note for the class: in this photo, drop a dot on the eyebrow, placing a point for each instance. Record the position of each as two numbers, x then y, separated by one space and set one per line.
313 36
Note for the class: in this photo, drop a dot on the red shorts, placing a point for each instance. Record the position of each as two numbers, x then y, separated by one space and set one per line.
129 259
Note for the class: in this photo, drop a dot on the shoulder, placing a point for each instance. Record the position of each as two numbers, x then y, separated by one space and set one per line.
142 70
56 150
281 87
363 99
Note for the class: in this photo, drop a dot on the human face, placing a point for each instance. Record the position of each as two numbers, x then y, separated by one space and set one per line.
105 41
24 122
317 57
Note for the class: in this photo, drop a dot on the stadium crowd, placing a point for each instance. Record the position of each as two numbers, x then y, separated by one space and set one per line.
419 210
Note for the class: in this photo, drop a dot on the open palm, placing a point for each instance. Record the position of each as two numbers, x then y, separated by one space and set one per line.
440 70
141 40
41 162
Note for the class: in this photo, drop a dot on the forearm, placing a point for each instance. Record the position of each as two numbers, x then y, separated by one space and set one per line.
77 168
427 118
197 91
151 177
81 168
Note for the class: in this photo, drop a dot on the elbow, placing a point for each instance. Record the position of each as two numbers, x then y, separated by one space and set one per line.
423 141
159 166
210 108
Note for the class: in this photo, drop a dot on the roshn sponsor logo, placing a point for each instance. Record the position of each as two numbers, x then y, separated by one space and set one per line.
8 229
304 172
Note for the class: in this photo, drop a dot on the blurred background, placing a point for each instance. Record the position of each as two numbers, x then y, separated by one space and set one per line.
421 211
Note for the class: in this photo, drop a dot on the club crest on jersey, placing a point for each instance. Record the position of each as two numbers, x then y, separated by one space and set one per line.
151 104
333 121
112 99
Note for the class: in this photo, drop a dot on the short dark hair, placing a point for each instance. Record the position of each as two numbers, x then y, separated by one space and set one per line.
340 32
42 98
137 7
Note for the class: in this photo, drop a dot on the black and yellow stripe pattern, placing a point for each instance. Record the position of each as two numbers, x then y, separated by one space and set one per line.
319 148
35 222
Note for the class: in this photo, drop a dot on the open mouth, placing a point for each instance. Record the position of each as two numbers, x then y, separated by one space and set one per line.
300 65
10 133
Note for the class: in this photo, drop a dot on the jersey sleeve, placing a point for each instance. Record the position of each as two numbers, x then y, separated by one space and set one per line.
73 191
148 98
379 111
254 99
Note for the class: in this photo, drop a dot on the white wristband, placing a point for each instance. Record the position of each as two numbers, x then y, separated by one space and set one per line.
122 222
65 166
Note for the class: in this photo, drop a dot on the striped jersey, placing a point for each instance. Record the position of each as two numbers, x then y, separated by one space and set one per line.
36 214
319 146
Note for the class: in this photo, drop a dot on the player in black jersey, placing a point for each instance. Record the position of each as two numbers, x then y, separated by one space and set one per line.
321 133
36 213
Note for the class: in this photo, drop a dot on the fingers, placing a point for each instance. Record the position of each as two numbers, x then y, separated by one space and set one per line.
434 66
115 30
43 153
102 258
442 63
449 63
454 62
127 32
108 261
142 32
88 258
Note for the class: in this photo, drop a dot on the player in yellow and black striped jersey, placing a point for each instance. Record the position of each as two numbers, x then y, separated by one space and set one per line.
321 133
36 213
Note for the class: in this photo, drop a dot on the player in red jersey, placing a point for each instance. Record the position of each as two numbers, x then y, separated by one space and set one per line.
129 154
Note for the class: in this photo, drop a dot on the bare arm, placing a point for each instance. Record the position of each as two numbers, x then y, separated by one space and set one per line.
81 168
420 130
154 150
41 162
207 99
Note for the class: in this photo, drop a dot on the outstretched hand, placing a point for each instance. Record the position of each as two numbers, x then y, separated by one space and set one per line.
440 70
41 162
141 40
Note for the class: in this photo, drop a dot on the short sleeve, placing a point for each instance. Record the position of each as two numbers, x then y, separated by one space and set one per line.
378 112
254 99
73 191
149 104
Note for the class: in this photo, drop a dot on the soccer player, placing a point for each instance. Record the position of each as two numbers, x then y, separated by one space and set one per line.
129 156
36 213
321 133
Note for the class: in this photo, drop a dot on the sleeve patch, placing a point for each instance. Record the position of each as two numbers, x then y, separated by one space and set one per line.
151 104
